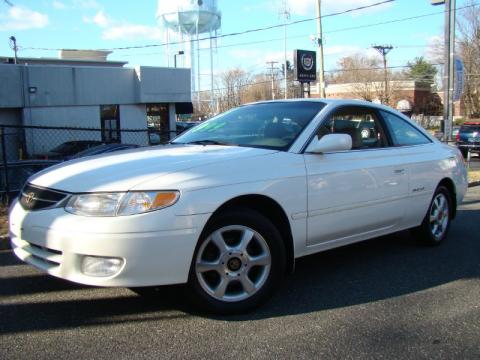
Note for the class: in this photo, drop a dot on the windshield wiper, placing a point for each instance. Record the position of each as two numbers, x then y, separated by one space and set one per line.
209 142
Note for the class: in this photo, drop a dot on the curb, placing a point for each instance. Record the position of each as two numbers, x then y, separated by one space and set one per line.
475 183
4 243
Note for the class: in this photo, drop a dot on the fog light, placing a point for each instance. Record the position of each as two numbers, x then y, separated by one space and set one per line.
101 266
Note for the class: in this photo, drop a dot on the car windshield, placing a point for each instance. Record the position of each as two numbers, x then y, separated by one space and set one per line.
470 128
273 125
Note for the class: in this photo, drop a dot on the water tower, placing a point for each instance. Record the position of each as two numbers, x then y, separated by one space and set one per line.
185 21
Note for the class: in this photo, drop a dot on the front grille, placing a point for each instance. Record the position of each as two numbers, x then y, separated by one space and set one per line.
40 256
36 198
50 256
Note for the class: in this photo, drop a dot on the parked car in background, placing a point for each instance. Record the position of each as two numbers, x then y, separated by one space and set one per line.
103 149
20 171
455 130
157 138
183 126
468 137
67 150
228 206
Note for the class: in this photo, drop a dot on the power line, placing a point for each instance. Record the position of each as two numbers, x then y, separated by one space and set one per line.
249 31
308 35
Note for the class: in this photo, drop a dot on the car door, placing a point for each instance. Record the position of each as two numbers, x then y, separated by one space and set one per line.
422 160
359 193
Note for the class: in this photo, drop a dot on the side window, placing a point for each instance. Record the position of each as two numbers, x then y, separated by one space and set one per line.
360 123
403 134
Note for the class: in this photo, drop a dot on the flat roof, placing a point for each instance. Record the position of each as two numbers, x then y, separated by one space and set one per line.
57 61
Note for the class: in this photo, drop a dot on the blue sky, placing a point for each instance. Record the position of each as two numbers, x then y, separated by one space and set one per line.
93 24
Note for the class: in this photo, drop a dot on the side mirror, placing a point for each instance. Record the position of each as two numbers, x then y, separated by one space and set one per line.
330 143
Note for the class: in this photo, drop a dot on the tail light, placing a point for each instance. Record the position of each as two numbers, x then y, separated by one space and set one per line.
457 137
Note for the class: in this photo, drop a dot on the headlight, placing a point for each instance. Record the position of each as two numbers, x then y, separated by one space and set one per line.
120 204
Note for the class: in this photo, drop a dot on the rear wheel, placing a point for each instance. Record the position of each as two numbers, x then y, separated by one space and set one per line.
237 264
435 225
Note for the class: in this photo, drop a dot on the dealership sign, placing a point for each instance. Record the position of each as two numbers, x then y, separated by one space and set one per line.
305 65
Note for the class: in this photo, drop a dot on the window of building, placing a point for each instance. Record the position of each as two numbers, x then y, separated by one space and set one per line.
158 123
110 123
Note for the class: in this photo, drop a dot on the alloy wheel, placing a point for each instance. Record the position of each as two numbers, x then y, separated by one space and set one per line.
233 263
439 216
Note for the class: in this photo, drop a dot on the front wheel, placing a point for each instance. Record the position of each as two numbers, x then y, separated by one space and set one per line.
435 225
238 262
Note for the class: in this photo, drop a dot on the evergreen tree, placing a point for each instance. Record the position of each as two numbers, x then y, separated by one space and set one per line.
421 70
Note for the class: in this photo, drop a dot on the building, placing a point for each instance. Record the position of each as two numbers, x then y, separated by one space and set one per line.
91 93
418 94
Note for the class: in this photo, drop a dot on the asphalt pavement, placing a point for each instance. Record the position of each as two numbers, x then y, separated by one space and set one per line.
387 298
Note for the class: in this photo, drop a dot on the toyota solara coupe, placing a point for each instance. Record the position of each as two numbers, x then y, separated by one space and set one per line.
228 206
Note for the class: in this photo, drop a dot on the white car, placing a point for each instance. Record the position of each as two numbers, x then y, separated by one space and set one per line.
228 206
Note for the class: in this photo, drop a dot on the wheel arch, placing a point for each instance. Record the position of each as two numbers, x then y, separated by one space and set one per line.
272 210
450 185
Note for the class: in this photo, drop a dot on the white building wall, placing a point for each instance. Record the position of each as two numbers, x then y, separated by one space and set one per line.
12 136
134 117
43 140
11 86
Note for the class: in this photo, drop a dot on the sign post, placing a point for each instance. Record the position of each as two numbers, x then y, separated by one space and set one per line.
305 62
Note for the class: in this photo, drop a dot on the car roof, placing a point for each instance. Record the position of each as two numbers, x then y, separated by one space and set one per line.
337 102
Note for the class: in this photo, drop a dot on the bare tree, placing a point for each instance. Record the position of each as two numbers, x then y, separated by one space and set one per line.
259 89
469 48
232 86
363 73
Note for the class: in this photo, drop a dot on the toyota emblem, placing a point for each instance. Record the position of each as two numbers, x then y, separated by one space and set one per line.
29 198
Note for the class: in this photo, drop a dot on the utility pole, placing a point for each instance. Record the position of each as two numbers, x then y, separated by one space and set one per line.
272 63
319 39
13 45
448 69
384 50
286 16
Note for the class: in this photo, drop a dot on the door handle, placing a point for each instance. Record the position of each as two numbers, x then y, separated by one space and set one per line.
399 171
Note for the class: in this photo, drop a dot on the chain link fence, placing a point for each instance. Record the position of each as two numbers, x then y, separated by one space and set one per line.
25 150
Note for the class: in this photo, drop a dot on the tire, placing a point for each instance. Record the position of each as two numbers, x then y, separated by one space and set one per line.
464 152
436 224
239 261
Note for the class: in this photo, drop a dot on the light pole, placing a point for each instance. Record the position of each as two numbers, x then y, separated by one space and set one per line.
448 69
286 15
13 45
181 52
321 75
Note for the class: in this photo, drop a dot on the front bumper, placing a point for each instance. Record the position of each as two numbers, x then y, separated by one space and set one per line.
156 247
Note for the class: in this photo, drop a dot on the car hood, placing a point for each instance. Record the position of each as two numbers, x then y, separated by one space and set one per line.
128 169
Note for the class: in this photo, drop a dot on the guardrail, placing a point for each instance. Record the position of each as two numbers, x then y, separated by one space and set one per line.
24 149
469 153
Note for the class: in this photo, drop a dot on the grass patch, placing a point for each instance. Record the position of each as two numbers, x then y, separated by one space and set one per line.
473 176
3 220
